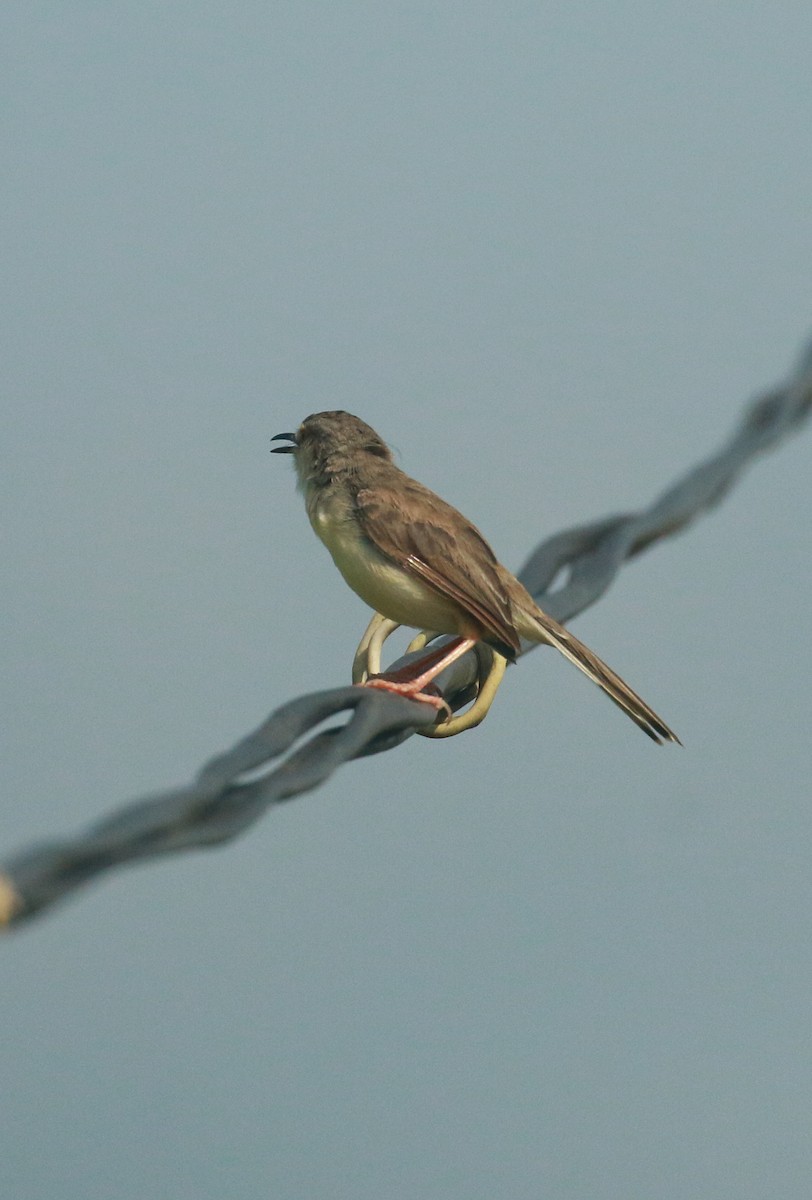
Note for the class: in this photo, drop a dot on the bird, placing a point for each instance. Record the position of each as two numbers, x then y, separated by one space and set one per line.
418 561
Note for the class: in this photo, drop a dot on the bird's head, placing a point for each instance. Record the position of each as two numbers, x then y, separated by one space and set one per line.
327 444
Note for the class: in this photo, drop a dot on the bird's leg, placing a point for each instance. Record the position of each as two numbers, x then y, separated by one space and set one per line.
491 671
492 666
411 680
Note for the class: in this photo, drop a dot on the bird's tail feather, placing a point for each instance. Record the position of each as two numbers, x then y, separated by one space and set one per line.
548 630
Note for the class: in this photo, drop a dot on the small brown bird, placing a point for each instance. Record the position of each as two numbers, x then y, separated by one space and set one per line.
420 562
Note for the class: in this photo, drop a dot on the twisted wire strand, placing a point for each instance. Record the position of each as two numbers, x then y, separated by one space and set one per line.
236 788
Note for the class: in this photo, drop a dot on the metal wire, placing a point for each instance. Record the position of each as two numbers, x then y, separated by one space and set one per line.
236 788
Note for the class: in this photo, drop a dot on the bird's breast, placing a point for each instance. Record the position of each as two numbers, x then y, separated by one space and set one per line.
381 583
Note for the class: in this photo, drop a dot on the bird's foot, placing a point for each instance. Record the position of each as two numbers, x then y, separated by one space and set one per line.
415 679
412 689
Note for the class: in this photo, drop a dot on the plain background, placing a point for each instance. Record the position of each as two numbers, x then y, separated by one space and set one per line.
548 250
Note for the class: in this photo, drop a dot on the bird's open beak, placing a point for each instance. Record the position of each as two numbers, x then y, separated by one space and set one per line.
280 437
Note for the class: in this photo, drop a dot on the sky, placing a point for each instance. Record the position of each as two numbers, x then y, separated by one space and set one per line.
548 251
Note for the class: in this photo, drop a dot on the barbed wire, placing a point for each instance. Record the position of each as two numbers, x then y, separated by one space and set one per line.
565 574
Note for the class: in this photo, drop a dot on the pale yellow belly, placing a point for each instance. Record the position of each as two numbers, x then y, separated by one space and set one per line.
383 585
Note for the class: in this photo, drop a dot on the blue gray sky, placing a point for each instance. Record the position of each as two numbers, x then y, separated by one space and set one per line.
548 251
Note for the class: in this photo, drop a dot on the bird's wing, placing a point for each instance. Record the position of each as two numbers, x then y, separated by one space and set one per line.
413 527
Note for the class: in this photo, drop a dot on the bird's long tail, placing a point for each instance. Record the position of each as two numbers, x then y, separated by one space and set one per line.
539 627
